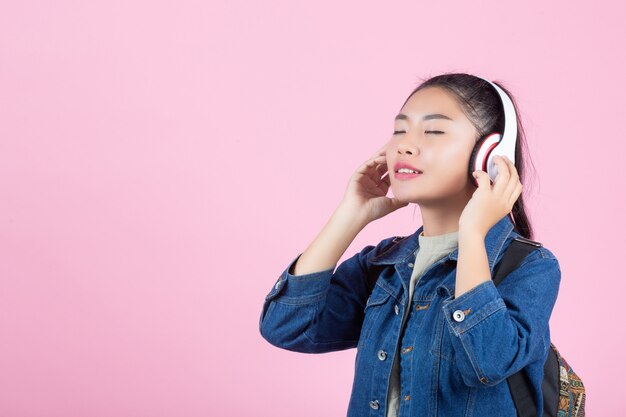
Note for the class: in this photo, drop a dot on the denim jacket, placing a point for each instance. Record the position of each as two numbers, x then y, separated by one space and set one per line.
455 353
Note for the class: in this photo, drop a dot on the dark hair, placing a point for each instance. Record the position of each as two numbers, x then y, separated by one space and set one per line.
483 107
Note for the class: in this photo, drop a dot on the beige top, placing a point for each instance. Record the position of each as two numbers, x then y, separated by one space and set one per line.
431 249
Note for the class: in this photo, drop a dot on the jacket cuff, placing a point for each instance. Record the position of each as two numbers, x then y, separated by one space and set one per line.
472 307
301 288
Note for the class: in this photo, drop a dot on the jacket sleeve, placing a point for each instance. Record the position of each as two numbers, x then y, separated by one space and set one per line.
320 311
504 328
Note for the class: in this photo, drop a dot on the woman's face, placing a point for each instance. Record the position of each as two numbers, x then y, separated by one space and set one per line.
432 134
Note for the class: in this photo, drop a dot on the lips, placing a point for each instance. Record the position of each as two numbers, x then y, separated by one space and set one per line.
400 165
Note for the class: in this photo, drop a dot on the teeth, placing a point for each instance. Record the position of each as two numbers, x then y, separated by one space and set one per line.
406 171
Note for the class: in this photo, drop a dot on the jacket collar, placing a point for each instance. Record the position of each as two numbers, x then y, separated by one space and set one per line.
403 247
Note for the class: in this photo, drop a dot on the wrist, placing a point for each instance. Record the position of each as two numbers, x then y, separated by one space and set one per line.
471 234
351 216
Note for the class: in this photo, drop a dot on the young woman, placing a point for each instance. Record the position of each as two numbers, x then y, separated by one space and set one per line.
434 336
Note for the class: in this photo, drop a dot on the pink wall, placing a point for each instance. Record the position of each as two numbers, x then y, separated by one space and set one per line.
161 162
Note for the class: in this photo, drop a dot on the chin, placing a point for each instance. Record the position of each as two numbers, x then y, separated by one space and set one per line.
407 197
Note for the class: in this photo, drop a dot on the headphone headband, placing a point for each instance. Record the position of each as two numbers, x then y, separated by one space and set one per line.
506 145
495 143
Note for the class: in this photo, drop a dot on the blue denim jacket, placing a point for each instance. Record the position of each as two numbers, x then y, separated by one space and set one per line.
455 353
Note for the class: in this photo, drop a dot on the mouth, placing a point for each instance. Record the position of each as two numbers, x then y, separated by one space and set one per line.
408 171
402 167
403 174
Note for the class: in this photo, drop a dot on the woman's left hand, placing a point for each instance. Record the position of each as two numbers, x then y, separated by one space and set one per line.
490 203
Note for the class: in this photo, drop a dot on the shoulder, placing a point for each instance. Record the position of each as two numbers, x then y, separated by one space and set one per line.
537 274
381 247
540 251
540 261
374 254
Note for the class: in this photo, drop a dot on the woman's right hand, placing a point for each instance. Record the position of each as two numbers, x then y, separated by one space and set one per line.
366 193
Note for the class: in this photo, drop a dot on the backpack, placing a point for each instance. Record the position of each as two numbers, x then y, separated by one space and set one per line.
563 390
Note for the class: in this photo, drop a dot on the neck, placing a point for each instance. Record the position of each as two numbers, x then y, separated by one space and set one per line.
440 218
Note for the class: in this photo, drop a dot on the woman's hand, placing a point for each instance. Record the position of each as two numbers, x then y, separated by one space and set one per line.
490 203
366 191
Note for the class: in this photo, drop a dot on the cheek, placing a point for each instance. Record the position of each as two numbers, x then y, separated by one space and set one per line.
453 160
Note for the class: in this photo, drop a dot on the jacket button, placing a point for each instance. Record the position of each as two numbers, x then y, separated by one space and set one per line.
374 404
397 309
277 284
458 316
410 265
382 355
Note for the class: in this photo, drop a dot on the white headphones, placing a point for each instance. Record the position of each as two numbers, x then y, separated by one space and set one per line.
495 143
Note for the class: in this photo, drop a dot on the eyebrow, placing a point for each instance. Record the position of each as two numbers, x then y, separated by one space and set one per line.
427 117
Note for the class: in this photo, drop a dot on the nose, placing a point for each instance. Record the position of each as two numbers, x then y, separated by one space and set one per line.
409 146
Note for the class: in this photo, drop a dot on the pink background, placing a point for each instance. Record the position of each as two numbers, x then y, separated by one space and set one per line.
162 162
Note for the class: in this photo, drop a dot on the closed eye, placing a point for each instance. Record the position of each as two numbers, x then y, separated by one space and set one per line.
438 132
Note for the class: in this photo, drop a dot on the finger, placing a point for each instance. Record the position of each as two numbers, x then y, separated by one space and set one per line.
512 167
513 180
386 180
502 178
371 163
516 193
373 169
482 178
380 165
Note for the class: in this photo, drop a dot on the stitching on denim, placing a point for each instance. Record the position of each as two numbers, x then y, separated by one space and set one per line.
482 320
447 319
447 356
306 335
467 401
411 371
484 313
313 276
532 256
384 249
473 395
301 300
267 312
469 295
383 286
435 377
384 297
472 358
371 320
503 239
488 310
546 254
349 341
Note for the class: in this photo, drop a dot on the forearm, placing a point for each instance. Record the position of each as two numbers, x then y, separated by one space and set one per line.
503 329
473 264
331 243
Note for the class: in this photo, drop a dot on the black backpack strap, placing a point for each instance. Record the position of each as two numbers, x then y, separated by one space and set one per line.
551 384
519 384
519 248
